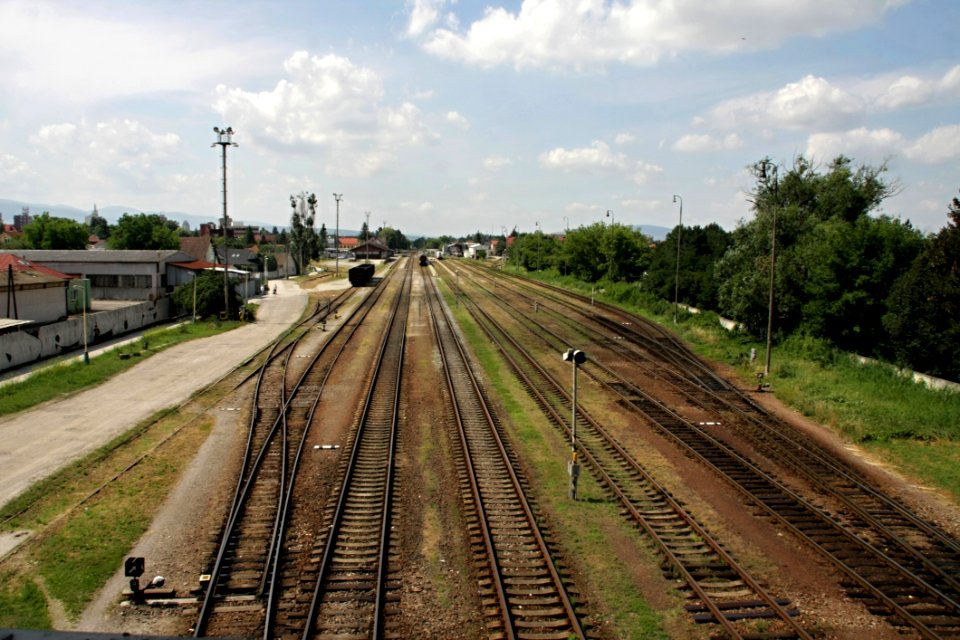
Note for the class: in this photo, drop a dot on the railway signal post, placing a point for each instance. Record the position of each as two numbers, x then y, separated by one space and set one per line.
576 358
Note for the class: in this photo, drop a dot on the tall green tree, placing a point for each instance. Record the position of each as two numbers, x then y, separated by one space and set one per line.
47 232
923 316
98 226
700 249
798 202
394 238
145 231
303 237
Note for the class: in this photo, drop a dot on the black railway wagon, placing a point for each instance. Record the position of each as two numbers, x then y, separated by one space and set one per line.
360 274
423 259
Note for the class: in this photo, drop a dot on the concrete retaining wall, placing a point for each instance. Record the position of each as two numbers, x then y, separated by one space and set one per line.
33 343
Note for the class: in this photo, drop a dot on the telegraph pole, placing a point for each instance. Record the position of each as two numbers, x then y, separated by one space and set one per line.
336 237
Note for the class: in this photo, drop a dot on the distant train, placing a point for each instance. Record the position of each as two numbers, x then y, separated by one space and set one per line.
360 274
423 260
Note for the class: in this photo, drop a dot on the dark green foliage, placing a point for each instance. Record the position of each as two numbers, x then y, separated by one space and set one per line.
46 232
303 237
98 226
145 231
923 315
833 261
209 290
700 249
394 238
614 253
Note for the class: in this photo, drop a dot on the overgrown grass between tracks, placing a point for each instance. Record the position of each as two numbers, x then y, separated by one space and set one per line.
89 515
587 529
910 426
60 380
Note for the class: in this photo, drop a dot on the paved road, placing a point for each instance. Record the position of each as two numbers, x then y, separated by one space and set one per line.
36 443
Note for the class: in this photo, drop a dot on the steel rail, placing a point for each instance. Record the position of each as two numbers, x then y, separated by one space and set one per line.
251 465
709 602
351 471
803 456
890 603
271 575
478 399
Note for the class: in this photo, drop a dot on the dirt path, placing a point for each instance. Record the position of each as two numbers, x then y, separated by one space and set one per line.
36 443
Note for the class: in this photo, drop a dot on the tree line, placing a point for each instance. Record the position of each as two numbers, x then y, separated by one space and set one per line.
842 270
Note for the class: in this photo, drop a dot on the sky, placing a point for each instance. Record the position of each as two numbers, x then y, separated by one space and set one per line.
454 116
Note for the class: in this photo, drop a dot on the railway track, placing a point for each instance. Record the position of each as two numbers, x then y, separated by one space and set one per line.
523 594
722 591
902 567
351 594
244 587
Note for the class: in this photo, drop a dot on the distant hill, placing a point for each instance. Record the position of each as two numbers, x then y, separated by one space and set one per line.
111 213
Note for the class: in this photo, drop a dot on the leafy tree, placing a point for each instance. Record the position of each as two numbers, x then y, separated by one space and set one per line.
248 238
848 268
145 231
303 237
625 253
616 253
581 253
535 251
98 226
700 249
799 202
324 237
923 316
46 232
394 238
209 295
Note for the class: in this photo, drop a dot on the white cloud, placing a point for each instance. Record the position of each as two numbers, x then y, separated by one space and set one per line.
859 143
597 157
583 33
457 119
492 163
66 52
905 91
940 145
423 15
326 104
15 174
696 143
113 157
624 139
811 102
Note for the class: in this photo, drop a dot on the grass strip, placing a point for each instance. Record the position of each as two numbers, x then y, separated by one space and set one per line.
585 526
22 603
913 427
61 380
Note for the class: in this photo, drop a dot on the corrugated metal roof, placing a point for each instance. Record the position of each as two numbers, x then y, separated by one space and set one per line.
81 255
23 265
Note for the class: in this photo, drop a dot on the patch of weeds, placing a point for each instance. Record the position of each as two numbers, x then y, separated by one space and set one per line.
22 603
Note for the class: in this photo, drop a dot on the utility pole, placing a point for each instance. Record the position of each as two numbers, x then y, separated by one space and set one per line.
767 169
225 139
676 284
366 236
336 237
